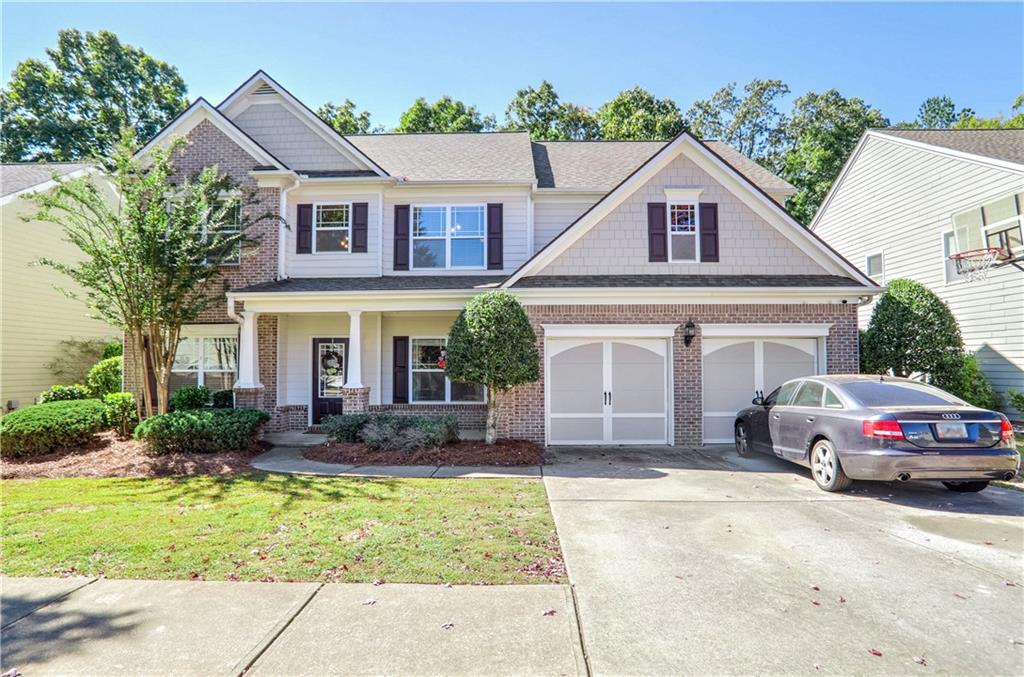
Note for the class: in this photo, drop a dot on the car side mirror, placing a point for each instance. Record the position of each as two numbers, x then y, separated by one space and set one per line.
758 401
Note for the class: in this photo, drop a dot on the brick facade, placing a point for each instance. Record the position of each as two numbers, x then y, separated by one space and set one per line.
469 416
522 412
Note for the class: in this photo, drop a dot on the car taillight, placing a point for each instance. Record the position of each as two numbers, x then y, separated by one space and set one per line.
1006 431
887 430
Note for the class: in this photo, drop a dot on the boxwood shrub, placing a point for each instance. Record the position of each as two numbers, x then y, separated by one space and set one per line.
105 376
190 397
389 432
52 426
64 393
202 430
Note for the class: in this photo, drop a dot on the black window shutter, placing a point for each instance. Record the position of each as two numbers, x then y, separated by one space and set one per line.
495 237
401 237
304 230
360 214
400 386
657 232
709 232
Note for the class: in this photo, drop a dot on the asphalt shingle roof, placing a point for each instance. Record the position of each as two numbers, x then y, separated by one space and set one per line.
589 165
763 178
18 176
999 144
386 283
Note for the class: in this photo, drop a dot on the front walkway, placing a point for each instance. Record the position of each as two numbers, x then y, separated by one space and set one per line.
100 627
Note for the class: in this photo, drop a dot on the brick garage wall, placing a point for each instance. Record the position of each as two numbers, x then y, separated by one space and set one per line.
522 413
470 416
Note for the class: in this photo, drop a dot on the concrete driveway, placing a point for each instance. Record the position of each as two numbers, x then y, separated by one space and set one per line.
706 563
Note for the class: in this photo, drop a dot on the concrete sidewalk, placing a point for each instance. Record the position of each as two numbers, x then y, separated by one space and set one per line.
100 627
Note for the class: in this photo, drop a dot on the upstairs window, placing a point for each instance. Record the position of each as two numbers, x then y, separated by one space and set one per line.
875 267
332 227
448 236
683 229
232 224
997 224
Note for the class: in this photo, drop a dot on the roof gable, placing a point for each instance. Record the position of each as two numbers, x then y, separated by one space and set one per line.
995 144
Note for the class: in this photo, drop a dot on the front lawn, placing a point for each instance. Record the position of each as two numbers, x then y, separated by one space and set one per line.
273 527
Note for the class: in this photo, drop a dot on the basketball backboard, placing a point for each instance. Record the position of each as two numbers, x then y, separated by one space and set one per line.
996 224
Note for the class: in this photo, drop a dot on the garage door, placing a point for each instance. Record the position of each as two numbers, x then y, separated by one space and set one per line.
735 368
610 391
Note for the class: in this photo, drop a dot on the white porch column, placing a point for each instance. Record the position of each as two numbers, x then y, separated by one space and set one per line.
248 353
355 349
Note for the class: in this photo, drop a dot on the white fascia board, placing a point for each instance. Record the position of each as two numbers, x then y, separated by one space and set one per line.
415 183
942 150
324 130
555 193
796 330
692 295
46 185
609 330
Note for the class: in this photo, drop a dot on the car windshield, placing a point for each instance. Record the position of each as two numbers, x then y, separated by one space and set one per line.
890 394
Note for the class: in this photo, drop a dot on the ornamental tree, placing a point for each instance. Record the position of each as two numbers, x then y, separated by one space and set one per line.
149 264
491 342
912 331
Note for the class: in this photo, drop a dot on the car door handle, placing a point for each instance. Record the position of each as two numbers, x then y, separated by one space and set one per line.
810 419
775 416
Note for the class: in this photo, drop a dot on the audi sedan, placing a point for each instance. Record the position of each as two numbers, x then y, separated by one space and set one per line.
860 427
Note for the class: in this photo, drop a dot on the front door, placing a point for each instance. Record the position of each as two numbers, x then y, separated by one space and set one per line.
329 372
608 391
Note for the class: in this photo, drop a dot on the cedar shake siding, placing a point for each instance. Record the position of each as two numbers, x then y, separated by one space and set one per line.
290 139
619 243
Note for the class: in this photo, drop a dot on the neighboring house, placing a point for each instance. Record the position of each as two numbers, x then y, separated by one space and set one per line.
664 281
34 316
909 198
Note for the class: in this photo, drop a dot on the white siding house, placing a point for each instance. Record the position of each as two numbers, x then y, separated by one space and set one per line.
891 213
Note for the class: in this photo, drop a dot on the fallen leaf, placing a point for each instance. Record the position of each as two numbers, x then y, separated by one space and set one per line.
682 578
550 612
1010 584
957 594
920 660
171 547
378 582
369 601
815 602
842 600
815 588
448 626
817 666
988 542
874 652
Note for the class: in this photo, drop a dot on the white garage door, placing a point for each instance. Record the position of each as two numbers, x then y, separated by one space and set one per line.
736 368
607 391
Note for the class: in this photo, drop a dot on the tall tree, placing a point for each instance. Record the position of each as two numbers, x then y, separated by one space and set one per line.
751 123
444 115
822 131
937 112
150 264
76 106
344 118
637 115
547 118
1016 120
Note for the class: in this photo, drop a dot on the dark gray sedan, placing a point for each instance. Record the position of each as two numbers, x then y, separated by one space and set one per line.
859 427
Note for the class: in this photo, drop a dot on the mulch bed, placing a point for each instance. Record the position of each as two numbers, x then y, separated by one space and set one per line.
113 457
466 452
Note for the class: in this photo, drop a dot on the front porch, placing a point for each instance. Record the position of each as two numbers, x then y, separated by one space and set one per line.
303 366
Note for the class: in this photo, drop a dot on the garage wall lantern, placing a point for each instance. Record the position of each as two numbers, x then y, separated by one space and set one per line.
689 331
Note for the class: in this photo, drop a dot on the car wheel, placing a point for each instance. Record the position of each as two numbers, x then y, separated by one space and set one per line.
742 440
966 487
826 469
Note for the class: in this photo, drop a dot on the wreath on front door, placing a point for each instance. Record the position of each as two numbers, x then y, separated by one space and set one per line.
330 363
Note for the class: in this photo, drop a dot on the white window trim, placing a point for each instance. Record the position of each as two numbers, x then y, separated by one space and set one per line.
236 229
696 229
447 381
448 237
946 279
315 228
876 278
201 370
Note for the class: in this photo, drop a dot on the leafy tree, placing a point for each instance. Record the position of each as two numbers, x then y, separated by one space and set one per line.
750 123
540 112
1016 120
937 112
637 115
344 118
75 107
491 342
912 331
149 264
822 131
444 115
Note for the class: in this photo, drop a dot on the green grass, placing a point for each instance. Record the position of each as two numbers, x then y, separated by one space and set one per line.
273 527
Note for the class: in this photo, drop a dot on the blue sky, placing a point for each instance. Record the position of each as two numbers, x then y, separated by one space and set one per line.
384 56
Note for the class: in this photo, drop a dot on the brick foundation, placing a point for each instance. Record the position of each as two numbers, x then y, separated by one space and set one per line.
469 416
355 400
249 398
289 417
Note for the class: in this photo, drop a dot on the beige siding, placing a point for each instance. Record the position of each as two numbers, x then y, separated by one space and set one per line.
515 210
289 139
553 213
898 201
34 316
617 245
334 264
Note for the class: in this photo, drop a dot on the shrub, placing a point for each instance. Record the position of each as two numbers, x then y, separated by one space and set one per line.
966 381
122 413
346 428
52 426
202 430
409 433
223 399
105 377
113 349
64 393
1016 399
192 397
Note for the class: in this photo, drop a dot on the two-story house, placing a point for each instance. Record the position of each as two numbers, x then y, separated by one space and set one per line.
908 199
664 280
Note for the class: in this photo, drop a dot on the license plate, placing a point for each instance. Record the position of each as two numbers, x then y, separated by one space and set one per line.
953 430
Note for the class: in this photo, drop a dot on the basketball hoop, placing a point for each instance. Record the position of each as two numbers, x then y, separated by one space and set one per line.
975 263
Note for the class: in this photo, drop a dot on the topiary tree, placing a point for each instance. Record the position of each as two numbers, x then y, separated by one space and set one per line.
105 377
491 342
912 331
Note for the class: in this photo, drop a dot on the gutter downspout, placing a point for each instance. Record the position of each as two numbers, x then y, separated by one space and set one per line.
282 226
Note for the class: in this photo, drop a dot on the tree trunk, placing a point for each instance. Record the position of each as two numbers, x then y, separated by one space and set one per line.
493 403
145 406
